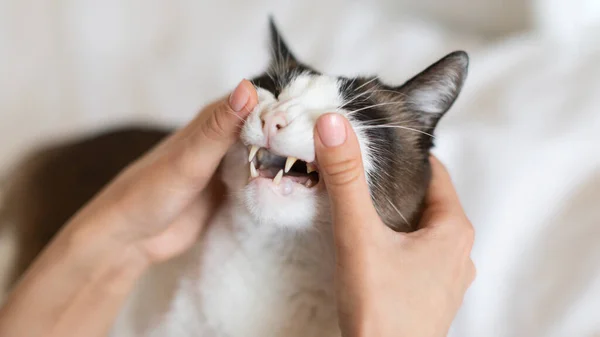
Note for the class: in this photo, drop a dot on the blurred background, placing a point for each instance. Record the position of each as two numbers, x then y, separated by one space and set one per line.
521 142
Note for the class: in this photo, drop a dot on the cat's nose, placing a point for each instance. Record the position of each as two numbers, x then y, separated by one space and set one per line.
273 123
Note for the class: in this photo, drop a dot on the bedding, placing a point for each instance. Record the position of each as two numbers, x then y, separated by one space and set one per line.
521 142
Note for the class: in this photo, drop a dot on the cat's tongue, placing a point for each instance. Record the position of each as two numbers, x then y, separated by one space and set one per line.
298 179
292 177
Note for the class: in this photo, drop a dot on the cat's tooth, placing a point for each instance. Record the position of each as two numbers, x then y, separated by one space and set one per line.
289 163
308 183
253 171
310 168
253 151
260 155
278 177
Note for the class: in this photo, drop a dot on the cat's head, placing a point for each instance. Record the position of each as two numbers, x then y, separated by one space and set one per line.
273 171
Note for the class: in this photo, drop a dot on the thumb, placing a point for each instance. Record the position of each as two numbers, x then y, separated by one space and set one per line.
197 150
216 127
162 183
341 167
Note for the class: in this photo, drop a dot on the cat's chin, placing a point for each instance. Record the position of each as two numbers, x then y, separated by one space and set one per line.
287 204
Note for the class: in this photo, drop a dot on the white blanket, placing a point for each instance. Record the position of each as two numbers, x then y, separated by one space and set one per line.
521 142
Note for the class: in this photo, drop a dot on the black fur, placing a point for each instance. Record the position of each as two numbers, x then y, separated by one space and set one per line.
402 172
78 169
284 66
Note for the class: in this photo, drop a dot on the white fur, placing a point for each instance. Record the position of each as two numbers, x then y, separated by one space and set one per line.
265 266
304 100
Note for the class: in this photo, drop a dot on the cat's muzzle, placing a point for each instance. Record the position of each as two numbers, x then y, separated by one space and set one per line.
268 165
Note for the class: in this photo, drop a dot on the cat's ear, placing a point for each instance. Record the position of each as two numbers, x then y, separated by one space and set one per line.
432 92
281 53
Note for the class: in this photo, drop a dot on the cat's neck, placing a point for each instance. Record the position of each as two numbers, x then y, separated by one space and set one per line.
311 244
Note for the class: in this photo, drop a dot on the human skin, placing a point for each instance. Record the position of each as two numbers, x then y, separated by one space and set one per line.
389 284
154 210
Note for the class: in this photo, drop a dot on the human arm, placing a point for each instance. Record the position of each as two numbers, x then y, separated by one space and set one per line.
154 210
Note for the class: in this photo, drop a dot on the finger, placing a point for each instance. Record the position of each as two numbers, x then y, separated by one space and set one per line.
198 149
441 191
471 272
442 205
341 167
185 230
159 186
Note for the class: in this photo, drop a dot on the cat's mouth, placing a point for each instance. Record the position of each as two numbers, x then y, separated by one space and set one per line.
264 164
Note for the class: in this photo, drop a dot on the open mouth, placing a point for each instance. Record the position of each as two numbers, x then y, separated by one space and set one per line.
268 165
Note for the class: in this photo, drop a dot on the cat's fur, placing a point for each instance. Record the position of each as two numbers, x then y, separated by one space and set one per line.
265 265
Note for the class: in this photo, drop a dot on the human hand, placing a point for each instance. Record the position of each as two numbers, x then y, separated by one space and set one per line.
389 283
161 202
154 210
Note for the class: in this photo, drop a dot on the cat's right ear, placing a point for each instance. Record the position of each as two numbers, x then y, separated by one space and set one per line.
282 56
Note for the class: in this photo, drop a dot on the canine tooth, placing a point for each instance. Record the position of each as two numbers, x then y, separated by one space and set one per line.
260 155
308 183
253 171
289 163
253 151
310 168
278 177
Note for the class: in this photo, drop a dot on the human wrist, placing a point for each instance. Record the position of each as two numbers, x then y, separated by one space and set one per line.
83 267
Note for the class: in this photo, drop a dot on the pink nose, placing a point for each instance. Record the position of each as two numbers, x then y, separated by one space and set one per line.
273 123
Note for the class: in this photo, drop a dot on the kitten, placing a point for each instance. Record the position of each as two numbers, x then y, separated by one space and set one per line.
265 265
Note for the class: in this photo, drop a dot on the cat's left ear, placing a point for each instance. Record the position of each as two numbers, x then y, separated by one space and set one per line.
281 53
432 92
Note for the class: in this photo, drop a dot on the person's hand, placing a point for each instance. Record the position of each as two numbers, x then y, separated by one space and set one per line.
389 283
154 210
161 202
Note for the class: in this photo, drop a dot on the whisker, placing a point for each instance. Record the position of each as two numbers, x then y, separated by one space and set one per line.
394 126
373 106
355 98
366 83
372 91
397 210
388 123
367 92
387 119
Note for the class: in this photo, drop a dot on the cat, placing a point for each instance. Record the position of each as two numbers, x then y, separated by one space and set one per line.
265 265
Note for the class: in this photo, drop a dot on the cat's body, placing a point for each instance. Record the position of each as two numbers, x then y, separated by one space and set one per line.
265 265
239 282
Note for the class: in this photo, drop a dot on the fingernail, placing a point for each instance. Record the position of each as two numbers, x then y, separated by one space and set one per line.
239 97
331 129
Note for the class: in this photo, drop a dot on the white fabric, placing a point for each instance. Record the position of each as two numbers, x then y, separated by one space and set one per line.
521 142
